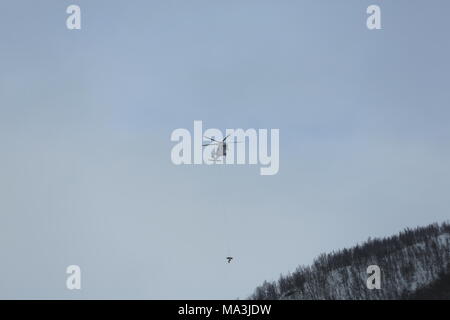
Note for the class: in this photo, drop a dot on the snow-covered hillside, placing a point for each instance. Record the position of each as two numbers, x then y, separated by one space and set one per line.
410 261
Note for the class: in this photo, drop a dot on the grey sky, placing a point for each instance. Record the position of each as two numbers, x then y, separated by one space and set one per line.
86 118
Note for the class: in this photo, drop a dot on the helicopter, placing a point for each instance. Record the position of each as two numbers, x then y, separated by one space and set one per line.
229 259
221 150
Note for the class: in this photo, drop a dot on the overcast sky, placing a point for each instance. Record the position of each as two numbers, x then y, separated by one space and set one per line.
86 118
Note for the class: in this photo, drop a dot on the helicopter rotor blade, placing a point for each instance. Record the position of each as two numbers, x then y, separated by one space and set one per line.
211 139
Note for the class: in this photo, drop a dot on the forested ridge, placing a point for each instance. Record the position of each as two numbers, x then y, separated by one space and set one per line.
415 264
